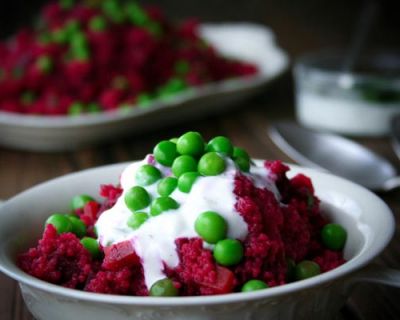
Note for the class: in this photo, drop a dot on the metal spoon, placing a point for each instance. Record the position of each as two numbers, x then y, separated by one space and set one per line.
336 154
395 134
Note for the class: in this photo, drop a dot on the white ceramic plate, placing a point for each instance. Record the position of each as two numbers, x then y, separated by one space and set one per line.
248 42
368 219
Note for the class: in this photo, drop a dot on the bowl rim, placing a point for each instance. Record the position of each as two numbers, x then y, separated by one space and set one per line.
65 121
316 62
226 86
351 266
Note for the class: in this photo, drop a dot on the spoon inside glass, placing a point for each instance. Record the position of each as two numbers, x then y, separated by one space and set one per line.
336 154
395 134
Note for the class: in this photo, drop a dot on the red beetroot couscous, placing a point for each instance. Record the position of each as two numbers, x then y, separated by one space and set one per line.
280 234
88 57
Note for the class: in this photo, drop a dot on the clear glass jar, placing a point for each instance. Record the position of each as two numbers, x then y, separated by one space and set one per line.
359 103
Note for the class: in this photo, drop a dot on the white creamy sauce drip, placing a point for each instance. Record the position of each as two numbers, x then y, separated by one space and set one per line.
154 240
262 178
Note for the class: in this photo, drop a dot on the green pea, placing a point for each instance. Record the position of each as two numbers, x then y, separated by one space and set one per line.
81 54
254 285
144 100
117 17
166 186
306 269
243 164
163 288
59 36
45 64
27 98
125 108
242 159
93 107
79 40
184 164
136 14
211 164
111 5
191 143
66 4
173 86
165 152
78 202
147 175
239 152
156 30
181 67
113 10
220 144
92 246
79 46
176 85
78 226
174 140
137 198
290 270
162 204
186 181
211 227
334 236
97 23
76 108
95 231
137 219
228 252
61 222
72 27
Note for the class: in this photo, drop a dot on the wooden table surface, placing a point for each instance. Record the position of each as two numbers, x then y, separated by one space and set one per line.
247 127
301 26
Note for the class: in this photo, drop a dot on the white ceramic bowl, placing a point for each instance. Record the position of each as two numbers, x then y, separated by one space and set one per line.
368 220
248 42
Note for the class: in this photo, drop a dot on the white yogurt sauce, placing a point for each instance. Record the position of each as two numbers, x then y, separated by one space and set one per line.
345 115
154 241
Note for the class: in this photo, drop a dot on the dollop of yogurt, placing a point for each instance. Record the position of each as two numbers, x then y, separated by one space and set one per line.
154 240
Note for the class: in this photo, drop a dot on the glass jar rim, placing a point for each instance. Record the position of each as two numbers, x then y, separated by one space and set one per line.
328 64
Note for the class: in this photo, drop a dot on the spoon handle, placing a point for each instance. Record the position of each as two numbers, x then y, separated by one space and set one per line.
391 184
364 24
395 134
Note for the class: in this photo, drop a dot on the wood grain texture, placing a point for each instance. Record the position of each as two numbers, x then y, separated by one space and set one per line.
301 26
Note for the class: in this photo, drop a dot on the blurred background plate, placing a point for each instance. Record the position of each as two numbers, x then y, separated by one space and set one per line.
248 42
